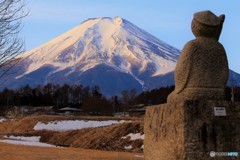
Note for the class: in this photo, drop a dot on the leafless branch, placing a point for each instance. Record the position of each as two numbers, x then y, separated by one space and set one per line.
11 14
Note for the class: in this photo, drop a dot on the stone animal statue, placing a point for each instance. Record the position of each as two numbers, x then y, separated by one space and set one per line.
202 67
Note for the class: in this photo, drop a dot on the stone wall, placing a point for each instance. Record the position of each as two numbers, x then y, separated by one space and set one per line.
190 131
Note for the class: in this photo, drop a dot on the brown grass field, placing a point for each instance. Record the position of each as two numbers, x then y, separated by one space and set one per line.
21 152
103 143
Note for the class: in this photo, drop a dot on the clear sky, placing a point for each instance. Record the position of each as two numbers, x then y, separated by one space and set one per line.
168 20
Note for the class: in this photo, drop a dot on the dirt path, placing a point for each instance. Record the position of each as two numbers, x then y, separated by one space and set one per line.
21 152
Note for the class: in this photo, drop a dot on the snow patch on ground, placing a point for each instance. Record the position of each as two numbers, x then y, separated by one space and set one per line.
2 120
139 156
22 138
73 125
134 136
26 143
128 147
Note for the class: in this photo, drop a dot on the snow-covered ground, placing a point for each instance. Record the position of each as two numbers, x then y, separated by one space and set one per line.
29 141
139 156
73 125
2 120
26 143
22 138
134 136
6 120
128 147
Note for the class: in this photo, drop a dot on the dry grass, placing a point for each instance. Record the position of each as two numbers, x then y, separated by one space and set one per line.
107 138
18 152
103 138
26 124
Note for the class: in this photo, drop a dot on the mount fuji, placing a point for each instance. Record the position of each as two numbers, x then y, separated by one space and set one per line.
112 53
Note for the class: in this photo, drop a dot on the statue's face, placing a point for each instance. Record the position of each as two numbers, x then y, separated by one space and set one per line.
200 30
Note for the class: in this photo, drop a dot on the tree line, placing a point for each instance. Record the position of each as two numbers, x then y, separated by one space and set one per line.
89 99
53 95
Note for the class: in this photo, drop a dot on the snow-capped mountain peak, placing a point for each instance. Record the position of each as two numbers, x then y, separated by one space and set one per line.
113 41
106 44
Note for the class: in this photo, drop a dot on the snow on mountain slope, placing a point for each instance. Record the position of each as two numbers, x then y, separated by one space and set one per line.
112 53
111 41
114 46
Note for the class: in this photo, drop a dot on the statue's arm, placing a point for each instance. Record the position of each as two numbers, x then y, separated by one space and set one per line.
183 66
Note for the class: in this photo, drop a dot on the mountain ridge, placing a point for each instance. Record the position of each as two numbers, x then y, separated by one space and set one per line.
96 50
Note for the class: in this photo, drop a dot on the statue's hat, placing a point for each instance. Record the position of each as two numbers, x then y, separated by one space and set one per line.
207 18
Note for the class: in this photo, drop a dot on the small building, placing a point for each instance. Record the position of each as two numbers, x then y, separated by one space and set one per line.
69 111
137 110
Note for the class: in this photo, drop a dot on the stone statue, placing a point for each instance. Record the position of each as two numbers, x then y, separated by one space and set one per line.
202 67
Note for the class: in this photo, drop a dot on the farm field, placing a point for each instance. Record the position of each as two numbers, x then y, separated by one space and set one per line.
61 137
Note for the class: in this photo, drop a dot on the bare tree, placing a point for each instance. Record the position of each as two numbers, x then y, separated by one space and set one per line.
11 14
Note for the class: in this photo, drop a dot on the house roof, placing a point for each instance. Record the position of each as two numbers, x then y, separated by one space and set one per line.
69 109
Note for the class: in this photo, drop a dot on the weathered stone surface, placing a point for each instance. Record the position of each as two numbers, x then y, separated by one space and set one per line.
190 131
202 68
186 128
207 18
164 132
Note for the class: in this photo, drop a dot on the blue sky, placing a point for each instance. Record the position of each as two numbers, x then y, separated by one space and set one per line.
167 20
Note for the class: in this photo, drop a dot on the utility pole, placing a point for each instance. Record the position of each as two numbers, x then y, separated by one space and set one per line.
232 90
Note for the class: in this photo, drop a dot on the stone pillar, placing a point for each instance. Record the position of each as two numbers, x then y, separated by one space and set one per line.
190 130
196 120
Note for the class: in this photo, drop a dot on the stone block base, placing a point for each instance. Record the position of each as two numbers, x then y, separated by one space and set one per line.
190 130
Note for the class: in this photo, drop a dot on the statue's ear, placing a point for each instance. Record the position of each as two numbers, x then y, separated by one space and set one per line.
222 18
